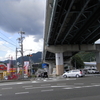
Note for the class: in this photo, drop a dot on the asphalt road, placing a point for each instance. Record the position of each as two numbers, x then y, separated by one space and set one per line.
86 88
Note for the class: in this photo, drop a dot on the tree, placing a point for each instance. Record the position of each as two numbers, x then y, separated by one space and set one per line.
77 62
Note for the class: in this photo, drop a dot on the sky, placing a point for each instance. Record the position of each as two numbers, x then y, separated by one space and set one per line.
21 15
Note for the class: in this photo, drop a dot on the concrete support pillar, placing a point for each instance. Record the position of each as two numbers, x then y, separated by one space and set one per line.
98 60
59 64
50 68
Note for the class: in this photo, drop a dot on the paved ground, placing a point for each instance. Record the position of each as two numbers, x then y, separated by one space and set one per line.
56 88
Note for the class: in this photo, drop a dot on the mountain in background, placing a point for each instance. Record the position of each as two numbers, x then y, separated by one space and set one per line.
36 58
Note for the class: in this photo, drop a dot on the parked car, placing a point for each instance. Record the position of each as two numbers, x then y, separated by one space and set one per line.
93 71
74 73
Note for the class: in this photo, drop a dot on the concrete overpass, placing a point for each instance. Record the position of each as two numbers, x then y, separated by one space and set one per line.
71 26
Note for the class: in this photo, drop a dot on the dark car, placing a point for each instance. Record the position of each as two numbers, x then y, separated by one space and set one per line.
44 75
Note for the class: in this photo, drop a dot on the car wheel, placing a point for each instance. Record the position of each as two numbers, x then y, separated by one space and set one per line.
65 76
77 76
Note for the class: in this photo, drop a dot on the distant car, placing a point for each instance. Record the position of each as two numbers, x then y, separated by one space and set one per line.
74 73
93 71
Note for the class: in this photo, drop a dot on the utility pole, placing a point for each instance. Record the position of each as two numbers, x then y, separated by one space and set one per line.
21 47
16 60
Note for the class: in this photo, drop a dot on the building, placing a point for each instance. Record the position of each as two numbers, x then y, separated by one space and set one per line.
90 65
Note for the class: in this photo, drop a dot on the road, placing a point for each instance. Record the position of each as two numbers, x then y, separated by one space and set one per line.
86 88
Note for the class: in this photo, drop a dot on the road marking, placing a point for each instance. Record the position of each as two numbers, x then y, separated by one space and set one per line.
14 83
78 83
45 84
58 86
38 87
34 82
20 83
46 90
71 79
68 88
22 93
6 88
78 87
97 85
44 80
82 86
27 86
88 86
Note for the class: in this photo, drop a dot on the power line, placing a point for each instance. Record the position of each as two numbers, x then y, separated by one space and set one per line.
8 42
6 36
7 47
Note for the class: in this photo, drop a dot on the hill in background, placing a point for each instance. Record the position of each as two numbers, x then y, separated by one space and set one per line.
36 58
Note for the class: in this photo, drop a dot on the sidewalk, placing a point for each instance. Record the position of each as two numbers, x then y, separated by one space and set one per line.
18 80
49 78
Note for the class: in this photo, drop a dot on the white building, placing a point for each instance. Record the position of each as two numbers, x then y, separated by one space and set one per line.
90 65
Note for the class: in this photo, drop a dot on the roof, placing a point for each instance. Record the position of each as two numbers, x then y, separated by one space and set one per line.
90 63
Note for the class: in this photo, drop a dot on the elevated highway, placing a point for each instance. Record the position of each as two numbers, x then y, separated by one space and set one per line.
71 26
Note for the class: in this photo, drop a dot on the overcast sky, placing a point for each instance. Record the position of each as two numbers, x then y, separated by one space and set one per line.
21 15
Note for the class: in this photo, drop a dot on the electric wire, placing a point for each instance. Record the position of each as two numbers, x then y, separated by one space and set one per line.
8 42
7 37
7 47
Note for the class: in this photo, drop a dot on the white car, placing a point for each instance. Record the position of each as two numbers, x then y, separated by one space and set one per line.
74 73
93 71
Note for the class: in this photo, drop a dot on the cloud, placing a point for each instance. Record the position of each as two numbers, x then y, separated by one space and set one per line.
21 15
29 45
26 15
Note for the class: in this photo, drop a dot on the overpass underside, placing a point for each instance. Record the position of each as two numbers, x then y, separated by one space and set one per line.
70 22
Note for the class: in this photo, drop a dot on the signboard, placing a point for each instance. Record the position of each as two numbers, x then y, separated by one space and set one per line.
44 65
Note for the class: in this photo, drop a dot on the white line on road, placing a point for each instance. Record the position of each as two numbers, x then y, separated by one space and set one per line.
38 87
71 79
45 84
27 86
34 82
78 87
22 93
6 88
14 83
97 85
44 80
20 83
87 86
78 83
58 86
46 90
82 86
68 88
